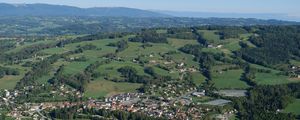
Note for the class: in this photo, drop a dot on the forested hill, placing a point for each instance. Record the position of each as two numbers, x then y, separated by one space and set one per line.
59 10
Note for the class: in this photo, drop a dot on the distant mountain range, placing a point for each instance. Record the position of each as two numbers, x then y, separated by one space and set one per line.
265 16
62 10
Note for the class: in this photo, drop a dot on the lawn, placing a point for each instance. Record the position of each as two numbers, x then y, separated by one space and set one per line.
99 43
210 35
162 72
271 79
17 49
75 67
135 50
198 78
233 45
111 69
102 88
55 50
293 107
186 58
178 43
9 81
229 79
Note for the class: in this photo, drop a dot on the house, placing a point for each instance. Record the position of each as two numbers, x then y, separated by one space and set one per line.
7 93
219 46
181 64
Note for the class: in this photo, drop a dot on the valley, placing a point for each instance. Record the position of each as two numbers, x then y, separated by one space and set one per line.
157 72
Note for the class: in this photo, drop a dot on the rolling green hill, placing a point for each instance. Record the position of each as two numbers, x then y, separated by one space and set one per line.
162 63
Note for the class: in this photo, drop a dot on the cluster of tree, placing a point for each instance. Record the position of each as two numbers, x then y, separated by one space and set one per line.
200 37
8 71
90 70
121 45
38 70
263 102
248 76
264 56
41 93
87 47
92 37
97 114
26 52
243 44
191 49
130 75
185 35
79 80
230 32
181 33
275 45
6 45
150 71
178 30
81 49
79 59
204 59
149 36
157 78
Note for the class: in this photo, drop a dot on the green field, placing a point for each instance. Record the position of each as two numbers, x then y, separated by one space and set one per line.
295 62
112 68
229 80
75 67
9 81
293 107
232 45
30 44
271 79
178 43
210 35
198 78
54 50
102 88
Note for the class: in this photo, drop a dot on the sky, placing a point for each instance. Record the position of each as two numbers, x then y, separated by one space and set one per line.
289 7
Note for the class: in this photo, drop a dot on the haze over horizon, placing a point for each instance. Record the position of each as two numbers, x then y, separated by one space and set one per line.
267 9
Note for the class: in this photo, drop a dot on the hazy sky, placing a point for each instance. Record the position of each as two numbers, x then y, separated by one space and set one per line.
290 7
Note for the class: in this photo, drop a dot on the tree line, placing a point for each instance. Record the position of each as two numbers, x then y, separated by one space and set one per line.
8 71
264 102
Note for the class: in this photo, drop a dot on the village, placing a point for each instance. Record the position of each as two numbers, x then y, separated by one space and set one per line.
172 100
180 107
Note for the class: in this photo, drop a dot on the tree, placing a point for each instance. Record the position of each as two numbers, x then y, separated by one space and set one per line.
149 36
